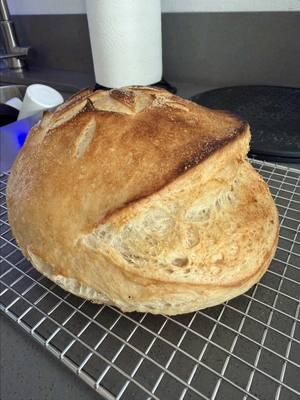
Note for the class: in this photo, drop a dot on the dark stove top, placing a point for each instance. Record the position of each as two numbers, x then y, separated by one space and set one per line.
273 113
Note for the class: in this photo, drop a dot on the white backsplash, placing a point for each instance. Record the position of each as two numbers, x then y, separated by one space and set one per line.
20 7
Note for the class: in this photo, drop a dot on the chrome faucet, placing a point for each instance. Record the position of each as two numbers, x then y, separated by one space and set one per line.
15 55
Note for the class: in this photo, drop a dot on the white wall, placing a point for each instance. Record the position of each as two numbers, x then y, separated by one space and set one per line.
229 5
46 6
78 6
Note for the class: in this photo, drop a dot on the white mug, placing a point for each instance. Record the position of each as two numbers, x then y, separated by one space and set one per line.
39 98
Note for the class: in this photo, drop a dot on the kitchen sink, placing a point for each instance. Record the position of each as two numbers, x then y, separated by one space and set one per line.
7 92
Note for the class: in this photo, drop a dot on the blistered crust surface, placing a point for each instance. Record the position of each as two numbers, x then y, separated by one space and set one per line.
234 261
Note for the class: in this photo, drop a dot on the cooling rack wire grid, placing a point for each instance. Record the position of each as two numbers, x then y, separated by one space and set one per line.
246 348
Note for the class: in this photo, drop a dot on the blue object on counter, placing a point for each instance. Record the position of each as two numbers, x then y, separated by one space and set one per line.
22 137
12 138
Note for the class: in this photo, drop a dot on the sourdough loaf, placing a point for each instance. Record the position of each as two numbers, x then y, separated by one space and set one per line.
140 199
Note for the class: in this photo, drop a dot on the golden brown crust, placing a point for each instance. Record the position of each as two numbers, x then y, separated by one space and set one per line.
127 155
113 191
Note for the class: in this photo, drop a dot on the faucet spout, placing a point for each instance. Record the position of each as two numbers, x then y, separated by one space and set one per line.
15 55
4 13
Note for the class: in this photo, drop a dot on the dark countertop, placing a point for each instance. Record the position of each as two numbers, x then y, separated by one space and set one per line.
70 81
66 81
28 371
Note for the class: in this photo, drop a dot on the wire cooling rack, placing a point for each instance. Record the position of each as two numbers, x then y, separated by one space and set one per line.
246 348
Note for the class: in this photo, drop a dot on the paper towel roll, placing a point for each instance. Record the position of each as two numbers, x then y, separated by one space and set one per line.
126 41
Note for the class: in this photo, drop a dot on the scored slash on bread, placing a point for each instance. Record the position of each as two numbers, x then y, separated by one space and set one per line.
138 198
